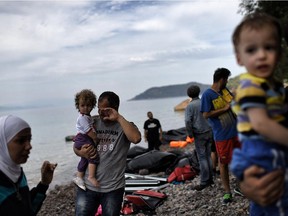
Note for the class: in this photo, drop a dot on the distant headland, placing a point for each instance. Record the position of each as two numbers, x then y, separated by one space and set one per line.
179 90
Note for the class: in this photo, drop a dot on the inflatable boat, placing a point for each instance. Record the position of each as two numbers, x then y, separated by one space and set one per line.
154 161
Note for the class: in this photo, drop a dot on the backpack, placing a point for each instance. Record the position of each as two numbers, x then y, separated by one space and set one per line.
181 174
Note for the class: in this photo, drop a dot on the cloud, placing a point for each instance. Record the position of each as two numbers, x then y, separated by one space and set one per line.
69 41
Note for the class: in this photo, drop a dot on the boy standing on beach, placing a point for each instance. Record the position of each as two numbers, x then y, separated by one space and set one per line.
259 104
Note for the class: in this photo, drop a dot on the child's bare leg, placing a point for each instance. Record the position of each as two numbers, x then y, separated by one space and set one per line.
80 174
91 176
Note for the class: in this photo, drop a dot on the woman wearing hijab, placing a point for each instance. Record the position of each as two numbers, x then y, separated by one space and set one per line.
15 146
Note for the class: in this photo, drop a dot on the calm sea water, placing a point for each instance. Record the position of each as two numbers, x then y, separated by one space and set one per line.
50 126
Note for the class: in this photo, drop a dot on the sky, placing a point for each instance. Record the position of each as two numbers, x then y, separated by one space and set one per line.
52 49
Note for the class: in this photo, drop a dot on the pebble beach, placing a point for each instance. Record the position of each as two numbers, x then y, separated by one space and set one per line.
181 200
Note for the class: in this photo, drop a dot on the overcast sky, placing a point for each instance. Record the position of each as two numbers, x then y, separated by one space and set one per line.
52 49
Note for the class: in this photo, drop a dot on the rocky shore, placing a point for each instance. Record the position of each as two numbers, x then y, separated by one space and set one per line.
181 200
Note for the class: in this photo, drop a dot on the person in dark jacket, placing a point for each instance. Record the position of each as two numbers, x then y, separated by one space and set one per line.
15 197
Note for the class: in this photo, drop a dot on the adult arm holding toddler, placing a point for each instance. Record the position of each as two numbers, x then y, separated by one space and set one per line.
15 146
263 190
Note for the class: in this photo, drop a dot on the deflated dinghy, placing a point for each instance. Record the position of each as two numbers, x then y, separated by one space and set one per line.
154 161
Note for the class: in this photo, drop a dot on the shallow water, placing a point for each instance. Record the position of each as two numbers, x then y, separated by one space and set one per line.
50 126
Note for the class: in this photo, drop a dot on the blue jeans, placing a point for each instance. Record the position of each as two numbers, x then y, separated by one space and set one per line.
87 202
269 156
203 143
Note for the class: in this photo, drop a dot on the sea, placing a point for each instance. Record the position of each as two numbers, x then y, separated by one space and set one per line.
50 125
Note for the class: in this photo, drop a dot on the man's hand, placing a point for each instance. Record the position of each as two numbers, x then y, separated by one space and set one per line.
88 151
263 190
110 114
227 106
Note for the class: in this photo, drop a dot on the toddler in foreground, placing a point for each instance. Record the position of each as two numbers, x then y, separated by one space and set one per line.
85 102
260 103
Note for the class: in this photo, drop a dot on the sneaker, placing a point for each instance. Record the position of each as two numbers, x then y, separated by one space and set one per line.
79 182
238 192
227 198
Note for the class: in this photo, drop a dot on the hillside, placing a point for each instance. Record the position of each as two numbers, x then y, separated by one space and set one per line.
179 90
168 91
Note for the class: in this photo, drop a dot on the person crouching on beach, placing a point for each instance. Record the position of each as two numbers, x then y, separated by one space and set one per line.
259 104
85 102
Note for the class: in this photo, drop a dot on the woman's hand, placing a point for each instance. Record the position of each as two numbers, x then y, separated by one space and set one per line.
263 190
47 172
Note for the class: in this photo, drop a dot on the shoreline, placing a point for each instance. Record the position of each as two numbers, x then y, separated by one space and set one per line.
181 199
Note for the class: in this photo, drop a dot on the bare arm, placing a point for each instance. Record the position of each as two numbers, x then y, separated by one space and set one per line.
263 190
92 135
266 126
145 135
130 130
160 133
215 113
